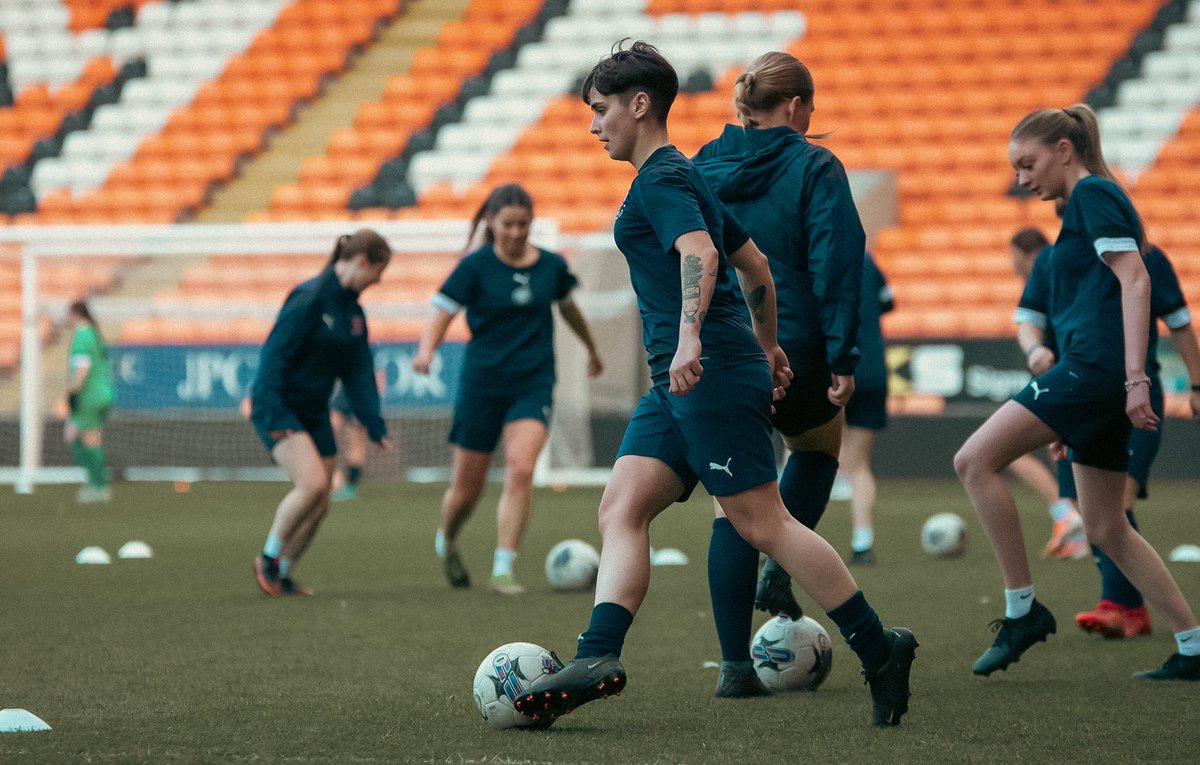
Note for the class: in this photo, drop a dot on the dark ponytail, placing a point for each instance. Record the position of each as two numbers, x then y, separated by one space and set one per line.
365 242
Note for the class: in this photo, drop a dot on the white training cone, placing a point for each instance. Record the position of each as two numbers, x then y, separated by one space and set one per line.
93 555
20 721
135 549
1186 554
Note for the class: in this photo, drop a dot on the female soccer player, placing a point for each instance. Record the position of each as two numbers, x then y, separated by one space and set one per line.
707 415
1122 611
507 286
866 412
319 337
1099 305
89 399
794 200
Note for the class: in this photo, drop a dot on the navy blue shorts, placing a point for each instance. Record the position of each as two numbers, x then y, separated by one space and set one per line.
319 428
1142 448
867 409
1085 407
719 434
480 419
806 403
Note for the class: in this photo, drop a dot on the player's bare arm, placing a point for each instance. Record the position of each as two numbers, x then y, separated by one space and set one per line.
431 339
1032 340
571 314
754 274
1135 310
698 277
1189 351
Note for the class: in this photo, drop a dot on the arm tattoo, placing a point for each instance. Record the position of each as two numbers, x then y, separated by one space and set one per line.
755 301
692 272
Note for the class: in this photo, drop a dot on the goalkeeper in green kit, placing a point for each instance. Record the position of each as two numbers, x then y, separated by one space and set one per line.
89 398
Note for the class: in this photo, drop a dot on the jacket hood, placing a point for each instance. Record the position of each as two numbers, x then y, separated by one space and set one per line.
744 163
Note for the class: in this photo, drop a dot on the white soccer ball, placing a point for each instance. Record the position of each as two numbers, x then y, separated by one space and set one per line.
792 655
944 536
572 565
504 676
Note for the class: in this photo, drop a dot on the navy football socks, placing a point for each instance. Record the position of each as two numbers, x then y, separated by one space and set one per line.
804 486
732 575
860 626
1114 585
1066 480
606 632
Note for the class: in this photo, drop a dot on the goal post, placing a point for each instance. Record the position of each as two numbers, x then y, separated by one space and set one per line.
184 310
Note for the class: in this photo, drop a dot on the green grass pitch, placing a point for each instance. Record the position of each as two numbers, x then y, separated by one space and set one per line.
181 659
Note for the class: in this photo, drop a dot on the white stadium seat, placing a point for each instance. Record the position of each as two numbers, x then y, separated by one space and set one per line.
49 174
595 8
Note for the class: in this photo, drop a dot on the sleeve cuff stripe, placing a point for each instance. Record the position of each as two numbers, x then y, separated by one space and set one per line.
1115 244
1178 319
447 304
1029 316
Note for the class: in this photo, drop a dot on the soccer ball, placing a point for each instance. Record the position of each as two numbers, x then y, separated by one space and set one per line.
944 536
504 676
792 655
572 565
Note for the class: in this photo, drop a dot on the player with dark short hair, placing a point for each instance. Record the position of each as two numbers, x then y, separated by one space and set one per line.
319 337
707 416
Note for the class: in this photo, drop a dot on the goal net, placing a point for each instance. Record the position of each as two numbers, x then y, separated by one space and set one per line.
184 310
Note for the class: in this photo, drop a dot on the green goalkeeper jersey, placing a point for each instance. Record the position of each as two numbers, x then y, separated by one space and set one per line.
87 349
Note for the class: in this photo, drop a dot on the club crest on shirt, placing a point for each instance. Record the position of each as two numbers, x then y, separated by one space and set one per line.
356 326
522 294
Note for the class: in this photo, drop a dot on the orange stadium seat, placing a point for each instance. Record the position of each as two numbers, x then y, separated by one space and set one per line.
937 115
202 141
381 129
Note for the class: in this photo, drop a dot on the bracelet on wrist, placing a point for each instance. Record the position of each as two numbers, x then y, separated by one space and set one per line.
1196 388
1029 351
1131 384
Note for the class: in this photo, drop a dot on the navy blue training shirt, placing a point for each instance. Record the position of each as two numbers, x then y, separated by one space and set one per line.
320 336
1085 296
509 315
1034 306
668 199
1167 302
